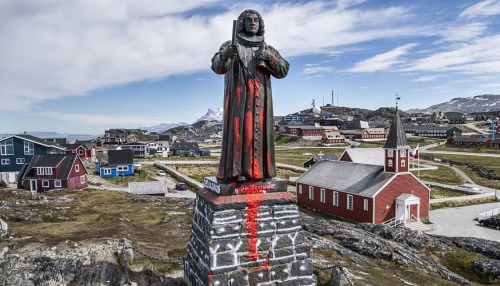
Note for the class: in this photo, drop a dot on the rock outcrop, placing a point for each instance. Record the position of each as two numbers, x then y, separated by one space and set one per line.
4 228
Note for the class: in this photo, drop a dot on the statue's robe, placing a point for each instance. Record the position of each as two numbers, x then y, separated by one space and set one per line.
248 134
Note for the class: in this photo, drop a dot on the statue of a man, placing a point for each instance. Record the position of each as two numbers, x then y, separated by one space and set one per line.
248 134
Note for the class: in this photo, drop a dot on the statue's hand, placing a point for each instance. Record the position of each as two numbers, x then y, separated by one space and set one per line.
264 55
229 52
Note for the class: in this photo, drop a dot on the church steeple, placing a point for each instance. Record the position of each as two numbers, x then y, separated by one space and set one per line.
396 147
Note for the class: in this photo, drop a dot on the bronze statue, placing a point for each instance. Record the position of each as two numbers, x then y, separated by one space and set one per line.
248 134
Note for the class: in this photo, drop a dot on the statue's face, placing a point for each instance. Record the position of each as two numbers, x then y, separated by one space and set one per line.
252 24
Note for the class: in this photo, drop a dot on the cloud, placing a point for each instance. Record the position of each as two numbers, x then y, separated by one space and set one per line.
483 8
57 48
480 56
427 78
316 69
464 33
382 62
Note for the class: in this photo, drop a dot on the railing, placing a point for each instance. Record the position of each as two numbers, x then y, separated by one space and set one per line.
393 222
488 214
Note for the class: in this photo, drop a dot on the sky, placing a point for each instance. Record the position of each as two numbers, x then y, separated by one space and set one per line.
84 66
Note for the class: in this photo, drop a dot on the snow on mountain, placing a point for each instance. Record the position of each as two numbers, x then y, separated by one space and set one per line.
213 114
478 103
163 127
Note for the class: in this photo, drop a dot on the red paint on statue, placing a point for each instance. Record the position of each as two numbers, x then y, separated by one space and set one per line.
254 198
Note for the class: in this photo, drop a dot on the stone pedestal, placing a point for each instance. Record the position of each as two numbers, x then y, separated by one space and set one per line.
253 238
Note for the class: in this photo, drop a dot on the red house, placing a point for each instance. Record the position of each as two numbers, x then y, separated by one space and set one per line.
368 193
83 150
53 171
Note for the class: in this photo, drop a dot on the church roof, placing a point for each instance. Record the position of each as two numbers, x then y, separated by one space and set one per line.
397 136
353 178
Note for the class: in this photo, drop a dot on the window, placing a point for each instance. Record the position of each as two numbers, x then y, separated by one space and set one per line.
322 195
311 193
389 153
7 147
80 152
77 168
300 189
122 168
19 161
365 205
45 184
29 148
403 163
336 199
5 161
48 171
107 171
57 184
349 202
82 179
389 163
40 171
403 153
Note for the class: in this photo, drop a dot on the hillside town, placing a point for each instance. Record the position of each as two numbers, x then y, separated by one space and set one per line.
367 169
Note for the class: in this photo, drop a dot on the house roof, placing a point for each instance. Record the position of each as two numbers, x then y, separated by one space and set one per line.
147 188
120 157
360 179
185 146
327 156
470 139
397 136
73 146
333 135
370 156
34 139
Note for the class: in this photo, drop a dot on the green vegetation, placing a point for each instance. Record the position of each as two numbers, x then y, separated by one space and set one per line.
297 156
489 163
467 149
460 261
443 174
282 139
463 203
439 192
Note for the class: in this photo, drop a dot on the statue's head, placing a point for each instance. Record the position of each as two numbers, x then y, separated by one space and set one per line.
250 22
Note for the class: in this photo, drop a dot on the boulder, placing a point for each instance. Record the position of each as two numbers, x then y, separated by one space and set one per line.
488 267
340 276
4 228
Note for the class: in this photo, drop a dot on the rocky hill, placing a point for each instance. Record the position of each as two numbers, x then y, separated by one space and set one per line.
467 105
197 131
75 238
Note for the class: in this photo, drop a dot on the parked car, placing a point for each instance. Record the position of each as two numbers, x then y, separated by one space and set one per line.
161 173
181 187
491 222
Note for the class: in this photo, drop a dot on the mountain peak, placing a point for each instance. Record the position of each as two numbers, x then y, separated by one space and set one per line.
467 105
213 114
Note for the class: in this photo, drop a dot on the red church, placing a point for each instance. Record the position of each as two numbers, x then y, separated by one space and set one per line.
368 193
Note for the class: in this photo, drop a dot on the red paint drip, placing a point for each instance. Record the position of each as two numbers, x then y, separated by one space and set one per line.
254 198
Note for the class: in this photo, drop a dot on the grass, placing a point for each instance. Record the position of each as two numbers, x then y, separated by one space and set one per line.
443 174
467 149
297 156
460 261
463 203
489 163
439 192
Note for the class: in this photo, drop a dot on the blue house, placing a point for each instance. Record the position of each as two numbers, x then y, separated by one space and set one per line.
17 150
120 163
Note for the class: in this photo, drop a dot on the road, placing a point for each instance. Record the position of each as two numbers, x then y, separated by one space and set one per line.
460 222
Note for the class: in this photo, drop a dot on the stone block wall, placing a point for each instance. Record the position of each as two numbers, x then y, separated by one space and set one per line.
254 239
